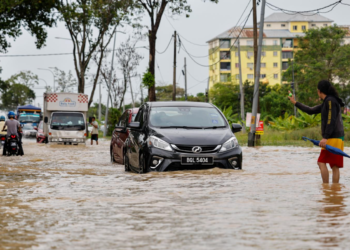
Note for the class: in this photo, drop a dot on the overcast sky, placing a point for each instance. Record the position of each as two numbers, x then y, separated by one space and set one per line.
206 21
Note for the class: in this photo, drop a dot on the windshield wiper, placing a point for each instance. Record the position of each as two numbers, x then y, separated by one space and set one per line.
214 127
187 127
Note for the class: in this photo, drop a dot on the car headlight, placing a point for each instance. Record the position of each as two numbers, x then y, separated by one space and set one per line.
230 144
154 141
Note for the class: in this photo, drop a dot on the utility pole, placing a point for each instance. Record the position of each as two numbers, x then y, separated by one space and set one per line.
295 108
109 87
255 34
185 81
241 84
132 94
99 104
251 135
174 76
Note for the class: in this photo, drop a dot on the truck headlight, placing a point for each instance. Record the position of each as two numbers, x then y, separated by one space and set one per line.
154 141
229 144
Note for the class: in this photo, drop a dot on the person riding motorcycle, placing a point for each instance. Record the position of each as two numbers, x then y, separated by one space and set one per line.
13 127
2 124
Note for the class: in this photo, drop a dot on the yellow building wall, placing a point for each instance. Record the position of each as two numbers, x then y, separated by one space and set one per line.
299 25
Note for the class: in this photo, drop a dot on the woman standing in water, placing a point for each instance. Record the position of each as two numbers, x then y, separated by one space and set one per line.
331 126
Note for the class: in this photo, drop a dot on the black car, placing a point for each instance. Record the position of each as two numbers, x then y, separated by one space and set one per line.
181 135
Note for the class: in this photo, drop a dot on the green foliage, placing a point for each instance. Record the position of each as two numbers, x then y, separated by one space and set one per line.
113 117
165 93
65 82
15 94
93 110
148 79
26 78
322 55
228 113
289 122
31 15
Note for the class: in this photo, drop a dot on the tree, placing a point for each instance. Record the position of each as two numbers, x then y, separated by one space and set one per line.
65 81
322 55
128 59
32 15
155 10
26 78
91 25
165 92
15 94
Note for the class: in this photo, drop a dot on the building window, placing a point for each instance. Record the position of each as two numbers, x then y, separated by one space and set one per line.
236 65
236 53
303 27
225 66
295 27
237 77
287 44
283 25
275 76
263 65
325 25
250 54
250 65
262 76
225 44
250 42
275 42
284 65
225 77
287 54
268 25
250 76
275 53
275 65
224 55
263 53
313 25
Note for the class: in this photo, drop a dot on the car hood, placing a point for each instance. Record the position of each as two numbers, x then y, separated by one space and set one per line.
198 137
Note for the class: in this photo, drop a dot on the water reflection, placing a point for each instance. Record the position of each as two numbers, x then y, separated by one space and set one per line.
333 214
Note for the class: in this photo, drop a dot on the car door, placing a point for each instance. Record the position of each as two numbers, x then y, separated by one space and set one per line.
117 142
134 140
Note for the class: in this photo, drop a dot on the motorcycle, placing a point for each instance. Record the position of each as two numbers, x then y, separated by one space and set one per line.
2 141
12 145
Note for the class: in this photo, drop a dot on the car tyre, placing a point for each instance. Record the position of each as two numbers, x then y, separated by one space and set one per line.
112 156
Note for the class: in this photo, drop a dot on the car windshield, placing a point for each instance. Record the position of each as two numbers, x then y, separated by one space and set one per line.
28 127
29 118
186 117
67 121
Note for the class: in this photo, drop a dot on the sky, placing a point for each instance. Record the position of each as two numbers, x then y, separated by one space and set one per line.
206 21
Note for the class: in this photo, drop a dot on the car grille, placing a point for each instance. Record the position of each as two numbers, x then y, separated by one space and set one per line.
205 149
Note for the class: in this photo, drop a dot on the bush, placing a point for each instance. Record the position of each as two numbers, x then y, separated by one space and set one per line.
113 118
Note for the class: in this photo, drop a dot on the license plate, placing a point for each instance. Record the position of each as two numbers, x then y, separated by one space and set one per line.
197 160
13 144
2 142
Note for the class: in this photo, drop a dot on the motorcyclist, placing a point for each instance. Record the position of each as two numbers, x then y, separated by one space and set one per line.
13 126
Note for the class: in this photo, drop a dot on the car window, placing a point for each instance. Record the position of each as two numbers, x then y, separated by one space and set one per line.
139 117
186 116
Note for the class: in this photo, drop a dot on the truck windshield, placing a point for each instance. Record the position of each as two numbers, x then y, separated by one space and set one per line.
23 118
67 121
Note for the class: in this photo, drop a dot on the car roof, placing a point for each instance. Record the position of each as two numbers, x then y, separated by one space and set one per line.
180 104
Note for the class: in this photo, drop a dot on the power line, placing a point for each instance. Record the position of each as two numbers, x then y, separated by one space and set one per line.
166 46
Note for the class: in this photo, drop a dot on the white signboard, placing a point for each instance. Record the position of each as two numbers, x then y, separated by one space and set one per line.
249 119
66 101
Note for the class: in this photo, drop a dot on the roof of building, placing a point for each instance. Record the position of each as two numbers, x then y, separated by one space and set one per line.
283 17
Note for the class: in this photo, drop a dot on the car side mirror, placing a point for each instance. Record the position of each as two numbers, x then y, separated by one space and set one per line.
35 128
46 119
236 127
134 125
120 129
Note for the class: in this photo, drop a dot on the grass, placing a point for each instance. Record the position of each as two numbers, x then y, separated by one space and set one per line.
288 138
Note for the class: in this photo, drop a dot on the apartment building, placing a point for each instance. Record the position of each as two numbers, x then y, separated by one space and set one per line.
279 44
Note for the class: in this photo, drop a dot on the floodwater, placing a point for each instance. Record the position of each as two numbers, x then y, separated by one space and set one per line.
72 197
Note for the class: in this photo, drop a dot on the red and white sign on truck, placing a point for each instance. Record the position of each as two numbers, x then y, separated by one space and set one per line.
65 117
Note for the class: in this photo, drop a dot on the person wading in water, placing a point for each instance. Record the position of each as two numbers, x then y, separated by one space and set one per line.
331 126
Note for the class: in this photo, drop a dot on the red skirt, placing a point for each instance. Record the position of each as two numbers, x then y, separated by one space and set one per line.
330 158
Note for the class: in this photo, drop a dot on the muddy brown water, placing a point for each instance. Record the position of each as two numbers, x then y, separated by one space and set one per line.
72 197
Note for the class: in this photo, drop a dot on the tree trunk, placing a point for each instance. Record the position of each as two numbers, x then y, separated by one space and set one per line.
151 64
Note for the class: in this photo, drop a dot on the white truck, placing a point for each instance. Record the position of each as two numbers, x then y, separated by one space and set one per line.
65 118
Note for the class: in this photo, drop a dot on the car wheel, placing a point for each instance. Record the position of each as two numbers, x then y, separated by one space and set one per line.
143 165
112 156
126 163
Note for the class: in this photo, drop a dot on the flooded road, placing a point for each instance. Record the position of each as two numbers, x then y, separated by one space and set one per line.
72 197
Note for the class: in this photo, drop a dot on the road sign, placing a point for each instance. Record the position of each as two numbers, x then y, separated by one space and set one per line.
260 129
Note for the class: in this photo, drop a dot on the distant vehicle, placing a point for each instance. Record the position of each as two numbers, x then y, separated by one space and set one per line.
65 117
28 130
40 137
2 134
180 135
118 137
28 114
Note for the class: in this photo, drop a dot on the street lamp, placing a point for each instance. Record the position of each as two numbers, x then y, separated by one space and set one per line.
54 86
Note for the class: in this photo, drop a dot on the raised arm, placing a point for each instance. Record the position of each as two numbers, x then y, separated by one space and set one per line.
309 110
